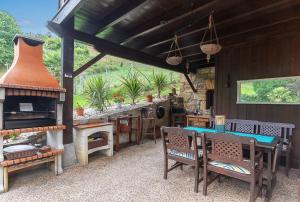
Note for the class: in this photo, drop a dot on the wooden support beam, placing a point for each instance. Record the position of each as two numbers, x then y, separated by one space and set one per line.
171 18
116 16
88 64
190 82
67 62
66 12
269 8
123 52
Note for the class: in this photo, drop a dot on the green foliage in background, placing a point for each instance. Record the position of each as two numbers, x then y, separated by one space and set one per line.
132 86
285 90
8 29
110 68
159 82
97 92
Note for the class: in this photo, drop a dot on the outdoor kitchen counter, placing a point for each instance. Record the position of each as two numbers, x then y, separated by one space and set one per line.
81 135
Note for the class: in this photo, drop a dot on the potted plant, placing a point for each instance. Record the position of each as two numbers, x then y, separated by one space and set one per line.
118 99
160 82
149 98
79 110
97 92
132 86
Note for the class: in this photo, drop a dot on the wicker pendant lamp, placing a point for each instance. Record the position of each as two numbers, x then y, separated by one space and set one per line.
174 56
211 46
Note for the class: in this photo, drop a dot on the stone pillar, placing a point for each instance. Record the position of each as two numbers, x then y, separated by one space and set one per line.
203 80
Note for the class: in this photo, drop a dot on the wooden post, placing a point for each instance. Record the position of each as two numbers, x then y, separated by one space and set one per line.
5 180
67 52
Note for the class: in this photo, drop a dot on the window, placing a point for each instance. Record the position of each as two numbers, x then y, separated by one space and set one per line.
284 90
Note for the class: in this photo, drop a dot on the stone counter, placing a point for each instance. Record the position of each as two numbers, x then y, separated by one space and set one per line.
92 115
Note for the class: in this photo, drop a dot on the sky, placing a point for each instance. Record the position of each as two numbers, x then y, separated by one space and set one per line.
31 15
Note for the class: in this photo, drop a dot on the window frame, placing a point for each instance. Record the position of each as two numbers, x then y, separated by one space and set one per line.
239 82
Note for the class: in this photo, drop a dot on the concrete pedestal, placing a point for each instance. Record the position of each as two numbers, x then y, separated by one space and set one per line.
81 134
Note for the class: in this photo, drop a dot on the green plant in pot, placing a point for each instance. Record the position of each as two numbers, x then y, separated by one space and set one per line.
97 92
160 82
118 99
132 86
79 109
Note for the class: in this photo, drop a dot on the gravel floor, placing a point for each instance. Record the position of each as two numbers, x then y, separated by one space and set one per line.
133 174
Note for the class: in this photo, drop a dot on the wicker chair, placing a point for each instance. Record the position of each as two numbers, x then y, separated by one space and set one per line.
148 123
225 157
179 145
284 131
245 126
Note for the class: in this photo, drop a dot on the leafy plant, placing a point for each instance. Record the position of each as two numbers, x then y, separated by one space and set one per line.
160 82
97 92
132 86
117 97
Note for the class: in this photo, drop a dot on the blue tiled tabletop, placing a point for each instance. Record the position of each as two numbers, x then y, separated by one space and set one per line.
259 138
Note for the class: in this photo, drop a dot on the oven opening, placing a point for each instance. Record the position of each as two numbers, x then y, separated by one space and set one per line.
29 111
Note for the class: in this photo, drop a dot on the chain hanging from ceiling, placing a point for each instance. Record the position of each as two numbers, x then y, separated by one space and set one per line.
174 56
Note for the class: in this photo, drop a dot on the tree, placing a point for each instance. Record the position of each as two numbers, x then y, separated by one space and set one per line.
8 29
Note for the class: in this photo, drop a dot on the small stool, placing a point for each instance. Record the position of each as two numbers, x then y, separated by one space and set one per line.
148 122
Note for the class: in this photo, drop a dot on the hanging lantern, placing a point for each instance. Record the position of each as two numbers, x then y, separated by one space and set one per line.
174 56
212 46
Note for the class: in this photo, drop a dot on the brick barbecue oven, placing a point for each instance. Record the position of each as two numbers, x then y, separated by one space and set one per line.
31 99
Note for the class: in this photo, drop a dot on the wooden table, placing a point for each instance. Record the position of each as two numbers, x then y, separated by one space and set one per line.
267 148
120 129
197 120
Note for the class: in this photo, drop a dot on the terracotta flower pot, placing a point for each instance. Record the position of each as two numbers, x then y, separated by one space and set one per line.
149 98
80 111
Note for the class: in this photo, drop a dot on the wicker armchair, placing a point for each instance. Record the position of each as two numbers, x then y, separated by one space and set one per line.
225 157
181 146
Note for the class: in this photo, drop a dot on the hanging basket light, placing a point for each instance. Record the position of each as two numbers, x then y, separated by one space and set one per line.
212 45
174 56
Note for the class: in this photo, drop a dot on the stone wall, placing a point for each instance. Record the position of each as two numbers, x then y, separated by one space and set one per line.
203 80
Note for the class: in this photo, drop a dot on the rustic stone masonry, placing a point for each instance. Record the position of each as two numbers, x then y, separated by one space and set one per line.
203 80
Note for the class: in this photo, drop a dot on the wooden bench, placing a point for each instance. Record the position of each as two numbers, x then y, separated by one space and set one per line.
21 163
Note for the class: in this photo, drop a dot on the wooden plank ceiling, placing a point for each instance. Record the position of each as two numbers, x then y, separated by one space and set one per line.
148 26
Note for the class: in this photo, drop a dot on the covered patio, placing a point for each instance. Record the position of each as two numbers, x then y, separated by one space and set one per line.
256 41
133 174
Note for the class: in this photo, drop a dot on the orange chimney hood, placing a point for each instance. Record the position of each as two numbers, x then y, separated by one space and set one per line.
27 70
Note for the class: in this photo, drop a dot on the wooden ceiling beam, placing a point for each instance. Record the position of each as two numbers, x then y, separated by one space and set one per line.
122 52
240 18
170 19
93 26
118 15
67 11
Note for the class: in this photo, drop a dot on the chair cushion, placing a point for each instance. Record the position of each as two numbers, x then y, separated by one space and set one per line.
229 166
185 155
